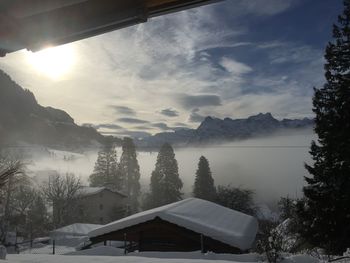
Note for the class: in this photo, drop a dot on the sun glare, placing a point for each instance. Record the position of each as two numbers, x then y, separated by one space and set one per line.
53 62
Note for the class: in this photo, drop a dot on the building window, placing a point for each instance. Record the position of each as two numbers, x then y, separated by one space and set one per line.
101 220
101 194
101 207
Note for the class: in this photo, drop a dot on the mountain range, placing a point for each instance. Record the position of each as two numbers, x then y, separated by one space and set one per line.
24 121
218 130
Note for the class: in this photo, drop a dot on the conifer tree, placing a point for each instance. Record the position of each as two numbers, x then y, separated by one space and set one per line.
204 183
130 174
165 187
325 213
106 169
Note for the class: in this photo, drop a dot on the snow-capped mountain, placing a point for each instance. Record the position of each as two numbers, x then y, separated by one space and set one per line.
215 129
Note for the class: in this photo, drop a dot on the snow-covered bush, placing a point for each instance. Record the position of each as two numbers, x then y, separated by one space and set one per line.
276 240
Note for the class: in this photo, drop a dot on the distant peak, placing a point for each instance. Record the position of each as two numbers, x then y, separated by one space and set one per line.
262 116
208 118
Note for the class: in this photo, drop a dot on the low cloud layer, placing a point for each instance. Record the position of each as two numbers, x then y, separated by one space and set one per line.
191 101
124 110
132 120
169 112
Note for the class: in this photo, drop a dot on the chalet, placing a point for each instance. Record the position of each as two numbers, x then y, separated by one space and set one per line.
101 205
188 225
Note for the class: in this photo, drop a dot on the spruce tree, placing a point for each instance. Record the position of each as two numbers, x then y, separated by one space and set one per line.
325 213
165 187
106 169
130 174
204 183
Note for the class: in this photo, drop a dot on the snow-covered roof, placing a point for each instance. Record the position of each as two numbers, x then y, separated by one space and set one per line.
75 229
87 190
204 217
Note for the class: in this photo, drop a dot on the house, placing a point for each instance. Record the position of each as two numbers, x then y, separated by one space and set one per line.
188 225
101 205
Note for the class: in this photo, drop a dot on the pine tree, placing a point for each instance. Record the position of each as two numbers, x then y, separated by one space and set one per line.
165 187
325 213
106 169
204 183
130 174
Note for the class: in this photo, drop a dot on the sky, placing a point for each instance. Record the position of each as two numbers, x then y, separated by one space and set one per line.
231 59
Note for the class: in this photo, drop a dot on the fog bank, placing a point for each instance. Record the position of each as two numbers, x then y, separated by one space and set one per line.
271 166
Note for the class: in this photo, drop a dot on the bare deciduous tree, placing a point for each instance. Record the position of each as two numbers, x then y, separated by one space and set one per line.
62 193
8 169
10 173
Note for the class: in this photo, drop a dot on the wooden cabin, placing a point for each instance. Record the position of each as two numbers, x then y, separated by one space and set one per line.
188 225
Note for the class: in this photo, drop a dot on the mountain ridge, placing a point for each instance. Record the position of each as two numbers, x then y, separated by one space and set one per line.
214 129
24 120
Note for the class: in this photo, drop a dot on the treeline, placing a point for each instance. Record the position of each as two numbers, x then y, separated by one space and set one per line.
165 185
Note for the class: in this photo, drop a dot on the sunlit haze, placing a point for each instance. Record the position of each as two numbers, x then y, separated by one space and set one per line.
52 62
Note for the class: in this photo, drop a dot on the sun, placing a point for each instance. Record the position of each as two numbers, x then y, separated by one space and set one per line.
54 62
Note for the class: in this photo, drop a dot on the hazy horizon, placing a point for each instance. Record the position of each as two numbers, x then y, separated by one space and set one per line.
272 166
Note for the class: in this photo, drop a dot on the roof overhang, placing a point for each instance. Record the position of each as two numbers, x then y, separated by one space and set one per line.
36 24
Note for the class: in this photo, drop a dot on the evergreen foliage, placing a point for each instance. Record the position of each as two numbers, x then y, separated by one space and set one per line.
130 174
237 199
106 169
325 213
204 183
165 186
287 206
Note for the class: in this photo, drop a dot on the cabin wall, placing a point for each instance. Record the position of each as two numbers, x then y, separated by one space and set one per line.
160 235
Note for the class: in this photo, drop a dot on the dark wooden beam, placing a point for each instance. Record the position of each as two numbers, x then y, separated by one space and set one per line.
36 24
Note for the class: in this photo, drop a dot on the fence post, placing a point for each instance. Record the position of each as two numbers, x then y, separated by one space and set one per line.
202 244
125 249
53 247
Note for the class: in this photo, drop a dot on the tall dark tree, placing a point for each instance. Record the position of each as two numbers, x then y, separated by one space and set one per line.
130 174
165 187
106 169
325 214
204 183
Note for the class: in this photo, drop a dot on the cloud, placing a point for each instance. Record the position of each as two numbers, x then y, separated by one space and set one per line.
195 116
124 110
161 125
108 126
235 67
191 101
210 56
133 134
132 120
264 8
169 112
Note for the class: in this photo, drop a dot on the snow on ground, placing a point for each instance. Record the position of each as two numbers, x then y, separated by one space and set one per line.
110 251
100 259
47 249
99 251
132 259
